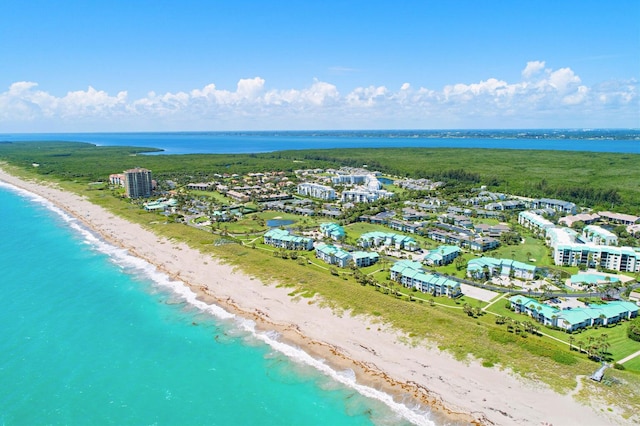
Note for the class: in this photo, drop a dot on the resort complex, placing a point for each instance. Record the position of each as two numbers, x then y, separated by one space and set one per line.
595 247
528 284
576 318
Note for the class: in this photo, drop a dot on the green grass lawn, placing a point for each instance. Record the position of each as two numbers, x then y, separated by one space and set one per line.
214 196
533 248
633 365
621 345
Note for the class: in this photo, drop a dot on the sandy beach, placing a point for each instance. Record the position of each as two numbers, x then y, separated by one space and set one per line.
457 392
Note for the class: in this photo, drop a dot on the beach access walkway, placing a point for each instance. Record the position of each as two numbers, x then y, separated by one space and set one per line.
629 358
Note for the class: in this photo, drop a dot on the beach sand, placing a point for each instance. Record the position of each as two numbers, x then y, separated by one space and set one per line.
457 392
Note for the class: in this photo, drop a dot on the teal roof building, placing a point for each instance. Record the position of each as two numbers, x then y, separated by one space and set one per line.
284 239
485 267
332 230
411 275
442 255
575 318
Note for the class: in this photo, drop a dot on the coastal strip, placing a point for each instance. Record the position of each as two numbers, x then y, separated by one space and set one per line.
457 392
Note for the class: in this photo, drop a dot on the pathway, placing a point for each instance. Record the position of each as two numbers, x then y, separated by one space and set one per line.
629 358
494 301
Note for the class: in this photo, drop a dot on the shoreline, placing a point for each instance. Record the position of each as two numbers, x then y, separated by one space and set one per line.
456 392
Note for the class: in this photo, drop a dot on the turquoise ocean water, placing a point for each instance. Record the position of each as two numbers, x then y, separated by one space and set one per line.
91 335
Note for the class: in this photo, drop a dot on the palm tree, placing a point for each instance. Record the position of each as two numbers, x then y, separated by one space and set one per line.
466 308
580 344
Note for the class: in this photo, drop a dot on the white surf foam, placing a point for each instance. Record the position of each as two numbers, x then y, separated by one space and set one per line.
135 265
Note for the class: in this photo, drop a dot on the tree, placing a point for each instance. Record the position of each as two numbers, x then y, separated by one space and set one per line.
466 308
633 332
571 340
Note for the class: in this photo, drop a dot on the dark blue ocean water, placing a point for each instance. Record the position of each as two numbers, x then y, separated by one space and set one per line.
90 335
625 141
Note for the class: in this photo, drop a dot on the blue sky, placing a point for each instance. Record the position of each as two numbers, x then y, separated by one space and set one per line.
232 65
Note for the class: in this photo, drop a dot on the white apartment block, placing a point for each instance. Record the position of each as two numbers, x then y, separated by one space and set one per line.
534 222
599 235
316 190
624 259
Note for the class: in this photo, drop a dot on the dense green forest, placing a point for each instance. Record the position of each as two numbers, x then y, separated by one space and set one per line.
601 180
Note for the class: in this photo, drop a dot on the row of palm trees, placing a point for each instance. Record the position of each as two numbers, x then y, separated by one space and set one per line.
515 326
595 347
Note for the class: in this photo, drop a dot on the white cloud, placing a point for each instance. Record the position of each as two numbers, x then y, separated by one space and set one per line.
532 68
250 88
494 102
366 96
576 97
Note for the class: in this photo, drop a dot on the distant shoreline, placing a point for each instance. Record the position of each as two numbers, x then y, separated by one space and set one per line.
461 392
253 142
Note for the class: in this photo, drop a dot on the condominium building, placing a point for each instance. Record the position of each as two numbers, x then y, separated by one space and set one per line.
284 239
332 230
623 219
534 222
137 183
336 256
388 239
599 235
591 255
410 274
442 255
575 318
317 191
486 267
557 205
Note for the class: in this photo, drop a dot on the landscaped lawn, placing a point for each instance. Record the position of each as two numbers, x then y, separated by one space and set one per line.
633 364
621 345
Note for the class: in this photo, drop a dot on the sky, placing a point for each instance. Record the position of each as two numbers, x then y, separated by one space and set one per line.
101 66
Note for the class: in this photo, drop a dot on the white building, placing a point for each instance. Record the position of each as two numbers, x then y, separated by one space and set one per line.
138 183
316 190
534 222
599 235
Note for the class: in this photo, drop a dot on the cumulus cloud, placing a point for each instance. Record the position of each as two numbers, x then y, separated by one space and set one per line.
532 68
542 92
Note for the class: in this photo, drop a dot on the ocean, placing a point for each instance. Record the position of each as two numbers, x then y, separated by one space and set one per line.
599 140
94 336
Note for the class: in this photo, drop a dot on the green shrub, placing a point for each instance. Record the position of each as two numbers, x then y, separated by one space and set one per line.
501 336
563 358
633 332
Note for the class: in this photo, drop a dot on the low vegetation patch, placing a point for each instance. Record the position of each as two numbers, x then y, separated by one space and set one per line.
633 332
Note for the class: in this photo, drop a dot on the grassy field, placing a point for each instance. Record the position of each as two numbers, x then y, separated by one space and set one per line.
621 345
